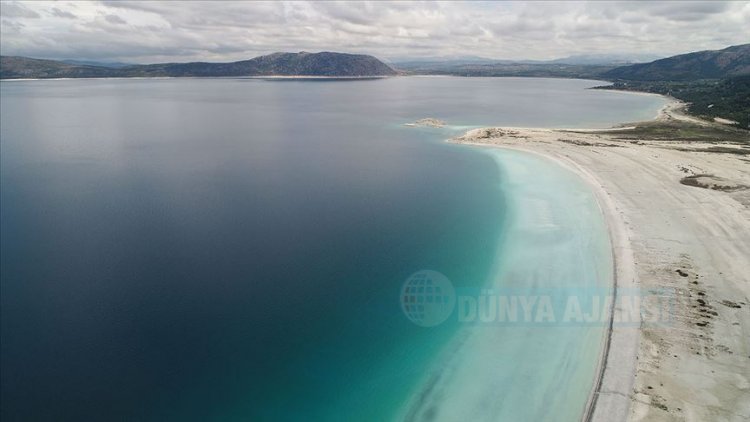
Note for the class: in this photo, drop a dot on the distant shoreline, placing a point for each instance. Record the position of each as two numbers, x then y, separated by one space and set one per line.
202 77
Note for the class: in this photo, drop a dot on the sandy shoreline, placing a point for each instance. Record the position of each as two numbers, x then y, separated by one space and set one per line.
669 235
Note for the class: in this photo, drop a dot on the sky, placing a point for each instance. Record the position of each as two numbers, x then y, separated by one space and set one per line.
150 32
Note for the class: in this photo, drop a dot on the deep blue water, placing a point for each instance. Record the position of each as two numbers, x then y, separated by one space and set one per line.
233 249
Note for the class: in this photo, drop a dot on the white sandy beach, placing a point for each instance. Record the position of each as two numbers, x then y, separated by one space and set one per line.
690 241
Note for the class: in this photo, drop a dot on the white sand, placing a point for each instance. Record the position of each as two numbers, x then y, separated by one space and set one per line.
683 371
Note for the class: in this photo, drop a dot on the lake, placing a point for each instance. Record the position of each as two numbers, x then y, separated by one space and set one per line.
235 249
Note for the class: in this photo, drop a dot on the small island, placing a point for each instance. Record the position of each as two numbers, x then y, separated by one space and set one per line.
427 122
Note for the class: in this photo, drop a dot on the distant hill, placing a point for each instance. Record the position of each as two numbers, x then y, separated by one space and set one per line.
277 64
712 64
23 67
719 64
605 59
581 66
505 68
115 65
397 61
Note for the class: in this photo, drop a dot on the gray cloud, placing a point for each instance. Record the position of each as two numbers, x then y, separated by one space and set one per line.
152 31
115 19
14 25
16 10
62 13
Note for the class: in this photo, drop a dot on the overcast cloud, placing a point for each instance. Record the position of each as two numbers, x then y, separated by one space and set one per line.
141 31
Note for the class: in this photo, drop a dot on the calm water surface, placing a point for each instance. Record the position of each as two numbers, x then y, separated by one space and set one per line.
233 249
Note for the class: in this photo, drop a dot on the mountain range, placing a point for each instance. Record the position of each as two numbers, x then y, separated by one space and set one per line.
711 64
582 59
278 64
715 64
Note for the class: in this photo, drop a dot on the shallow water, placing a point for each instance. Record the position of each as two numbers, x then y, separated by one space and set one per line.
225 249
535 366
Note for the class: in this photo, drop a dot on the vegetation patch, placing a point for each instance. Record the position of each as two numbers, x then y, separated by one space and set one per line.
709 181
588 144
726 99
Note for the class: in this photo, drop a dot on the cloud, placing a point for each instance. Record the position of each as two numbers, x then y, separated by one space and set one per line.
62 13
140 31
16 10
15 25
115 19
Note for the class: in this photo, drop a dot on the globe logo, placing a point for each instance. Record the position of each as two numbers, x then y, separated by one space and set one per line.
427 298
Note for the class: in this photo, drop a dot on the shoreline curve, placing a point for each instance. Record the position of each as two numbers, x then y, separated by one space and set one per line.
609 400
668 236
613 382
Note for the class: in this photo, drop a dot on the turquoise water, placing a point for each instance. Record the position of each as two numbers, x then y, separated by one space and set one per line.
555 244
231 249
